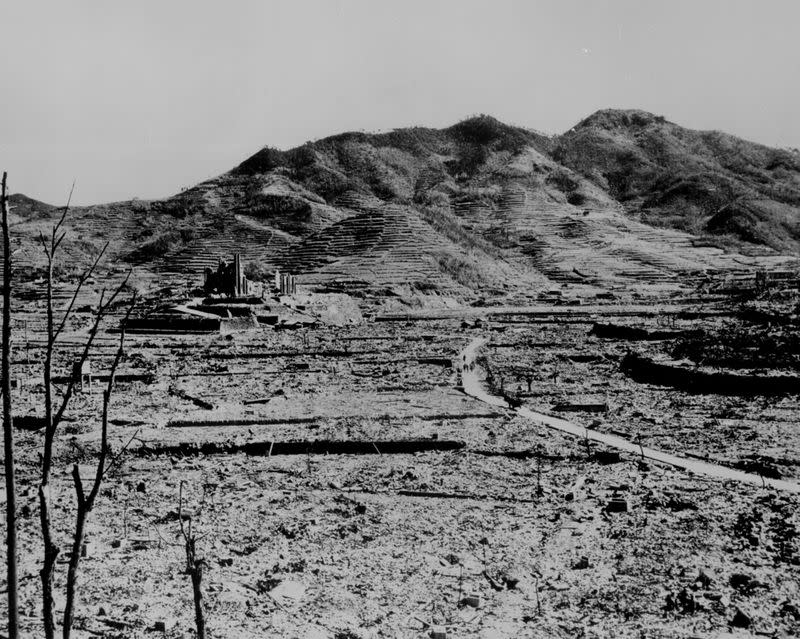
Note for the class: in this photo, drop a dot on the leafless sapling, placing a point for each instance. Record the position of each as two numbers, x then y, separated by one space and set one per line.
194 567
53 415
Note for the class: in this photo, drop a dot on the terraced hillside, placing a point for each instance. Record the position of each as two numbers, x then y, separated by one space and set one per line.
623 198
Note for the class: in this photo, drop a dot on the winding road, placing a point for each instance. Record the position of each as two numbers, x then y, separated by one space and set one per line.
472 386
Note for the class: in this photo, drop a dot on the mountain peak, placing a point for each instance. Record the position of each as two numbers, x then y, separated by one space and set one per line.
486 129
620 118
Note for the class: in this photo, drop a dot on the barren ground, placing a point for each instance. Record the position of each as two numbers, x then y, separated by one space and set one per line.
385 544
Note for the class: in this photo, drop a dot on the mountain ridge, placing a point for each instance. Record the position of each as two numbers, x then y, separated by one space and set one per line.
622 196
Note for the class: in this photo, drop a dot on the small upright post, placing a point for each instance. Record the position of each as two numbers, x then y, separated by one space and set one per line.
237 275
86 374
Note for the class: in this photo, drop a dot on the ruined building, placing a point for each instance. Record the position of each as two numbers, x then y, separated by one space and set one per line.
285 283
227 279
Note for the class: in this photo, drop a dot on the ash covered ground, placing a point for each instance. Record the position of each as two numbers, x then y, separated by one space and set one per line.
343 484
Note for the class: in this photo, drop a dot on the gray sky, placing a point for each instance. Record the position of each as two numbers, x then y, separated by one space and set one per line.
143 98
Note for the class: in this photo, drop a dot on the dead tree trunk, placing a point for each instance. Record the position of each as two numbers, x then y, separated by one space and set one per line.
51 550
194 567
77 544
196 571
47 572
8 431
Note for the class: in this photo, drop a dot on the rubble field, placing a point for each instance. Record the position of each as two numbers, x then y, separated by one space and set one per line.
344 486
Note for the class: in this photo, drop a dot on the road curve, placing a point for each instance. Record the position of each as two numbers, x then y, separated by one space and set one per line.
472 386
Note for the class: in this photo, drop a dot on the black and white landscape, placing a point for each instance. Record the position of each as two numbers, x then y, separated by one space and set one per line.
457 377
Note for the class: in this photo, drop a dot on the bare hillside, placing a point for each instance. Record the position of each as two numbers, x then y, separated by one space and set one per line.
704 182
624 196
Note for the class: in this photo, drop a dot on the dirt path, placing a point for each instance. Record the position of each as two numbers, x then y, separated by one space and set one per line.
473 387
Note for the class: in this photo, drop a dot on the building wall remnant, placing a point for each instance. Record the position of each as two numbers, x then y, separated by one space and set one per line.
287 284
227 279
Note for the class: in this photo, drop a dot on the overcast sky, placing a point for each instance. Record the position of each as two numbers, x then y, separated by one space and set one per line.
141 98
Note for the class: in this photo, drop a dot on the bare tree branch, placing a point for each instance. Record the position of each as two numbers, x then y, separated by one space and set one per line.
50 246
102 309
84 277
60 222
121 452
104 449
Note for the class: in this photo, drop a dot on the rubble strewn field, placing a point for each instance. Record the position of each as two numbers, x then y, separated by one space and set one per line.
518 531
571 368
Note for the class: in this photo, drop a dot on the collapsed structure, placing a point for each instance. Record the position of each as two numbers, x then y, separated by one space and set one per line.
232 303
228 279
285 283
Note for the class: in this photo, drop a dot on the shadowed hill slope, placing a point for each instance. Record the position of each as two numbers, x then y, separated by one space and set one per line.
623 197
703 182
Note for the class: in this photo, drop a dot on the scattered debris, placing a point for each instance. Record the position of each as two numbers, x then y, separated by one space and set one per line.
567 407
617 505
201 403
741 619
